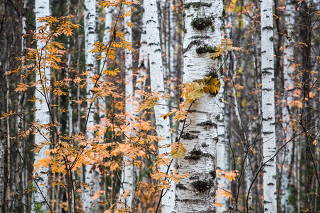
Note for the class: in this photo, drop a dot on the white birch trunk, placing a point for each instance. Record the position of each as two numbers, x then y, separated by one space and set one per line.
288 98
222 155
268 106
108 11
70 110
127 176
196 193
107 24
104 62
153 61
91 175
42 9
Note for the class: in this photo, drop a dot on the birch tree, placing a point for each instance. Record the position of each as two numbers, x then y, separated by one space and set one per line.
222 156
91 176
108 11
222 122
202 34
286 109
70 110
42 92
107 24
127 176
268 106
151 57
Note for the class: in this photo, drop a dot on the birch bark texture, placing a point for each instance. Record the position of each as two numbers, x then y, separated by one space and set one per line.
151 56
222 159
42 116
127 176
288 60
91 176
108 13
268 106
222 155
108 24
196 193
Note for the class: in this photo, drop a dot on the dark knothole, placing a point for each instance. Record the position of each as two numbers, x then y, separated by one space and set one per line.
201 23
181 186
197 5
201 186
213 174
189 136
207 123
205 49
193 43
195 154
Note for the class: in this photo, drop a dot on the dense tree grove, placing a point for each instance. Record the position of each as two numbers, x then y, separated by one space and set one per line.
172 106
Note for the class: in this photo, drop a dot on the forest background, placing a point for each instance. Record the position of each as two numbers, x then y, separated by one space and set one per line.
159 106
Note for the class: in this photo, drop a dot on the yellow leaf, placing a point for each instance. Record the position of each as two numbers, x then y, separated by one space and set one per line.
5 115
312 94
114 167
178 150
232 6
44 162
97 194
120 34
230 175
111 72
212 85
180 115
59 92
223 193
21 87
165 116
130 24
218 204
296 103
192 91
244 103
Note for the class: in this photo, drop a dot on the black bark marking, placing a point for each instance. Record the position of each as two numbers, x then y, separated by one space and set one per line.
202 185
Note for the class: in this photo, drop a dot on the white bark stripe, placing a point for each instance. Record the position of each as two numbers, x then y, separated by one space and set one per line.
268 106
